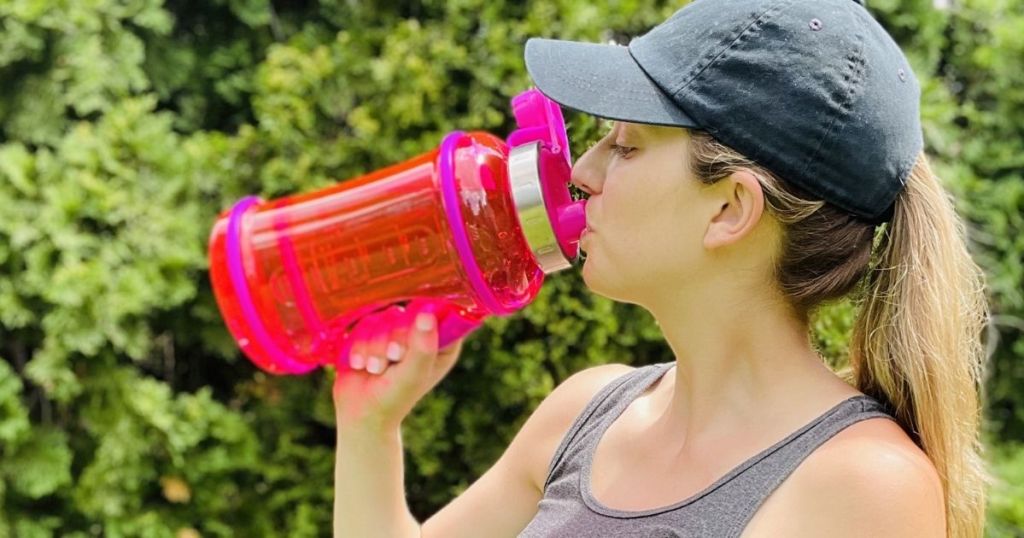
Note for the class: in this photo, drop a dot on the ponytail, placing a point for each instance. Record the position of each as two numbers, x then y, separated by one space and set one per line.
917 343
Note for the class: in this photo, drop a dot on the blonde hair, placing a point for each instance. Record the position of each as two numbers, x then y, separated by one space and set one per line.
916 344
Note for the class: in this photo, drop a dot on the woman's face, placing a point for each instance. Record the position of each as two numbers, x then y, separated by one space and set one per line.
648 213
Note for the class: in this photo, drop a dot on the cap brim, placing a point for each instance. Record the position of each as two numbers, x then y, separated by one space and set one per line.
602 80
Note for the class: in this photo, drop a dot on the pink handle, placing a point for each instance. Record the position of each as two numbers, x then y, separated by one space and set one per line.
451 325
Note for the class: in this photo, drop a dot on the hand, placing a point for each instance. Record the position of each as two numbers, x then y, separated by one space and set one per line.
392 363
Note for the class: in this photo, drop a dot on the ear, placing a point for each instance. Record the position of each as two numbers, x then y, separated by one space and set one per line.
741 203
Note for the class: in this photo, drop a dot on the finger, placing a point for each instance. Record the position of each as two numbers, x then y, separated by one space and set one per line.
398 339
376 362
423 336
448 357
358 351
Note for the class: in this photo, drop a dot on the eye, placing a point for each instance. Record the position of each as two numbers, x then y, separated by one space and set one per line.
622 151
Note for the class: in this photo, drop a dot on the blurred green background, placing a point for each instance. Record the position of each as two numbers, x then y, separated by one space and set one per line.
126 126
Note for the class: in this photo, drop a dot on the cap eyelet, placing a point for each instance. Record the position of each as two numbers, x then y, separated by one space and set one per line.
815 24
902 74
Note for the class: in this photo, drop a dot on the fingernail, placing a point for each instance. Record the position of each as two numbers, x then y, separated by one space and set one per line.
356 361
424 322
394 351
374 365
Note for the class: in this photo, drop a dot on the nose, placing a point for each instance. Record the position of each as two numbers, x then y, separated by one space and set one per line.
588 171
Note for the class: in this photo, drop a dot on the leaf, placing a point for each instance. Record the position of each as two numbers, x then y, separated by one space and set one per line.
14 424
41 465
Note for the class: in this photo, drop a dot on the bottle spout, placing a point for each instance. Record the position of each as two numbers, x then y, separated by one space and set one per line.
572 220
540 169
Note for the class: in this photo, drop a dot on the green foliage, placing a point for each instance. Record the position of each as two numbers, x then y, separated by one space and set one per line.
1006 504
126 126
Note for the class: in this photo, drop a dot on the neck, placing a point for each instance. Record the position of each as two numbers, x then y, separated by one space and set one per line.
739 362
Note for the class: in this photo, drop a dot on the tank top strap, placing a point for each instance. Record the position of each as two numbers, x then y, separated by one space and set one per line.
609 401
746 488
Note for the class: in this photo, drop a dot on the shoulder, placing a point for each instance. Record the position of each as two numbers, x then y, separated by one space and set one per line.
870 479
569 398
560 408
556 413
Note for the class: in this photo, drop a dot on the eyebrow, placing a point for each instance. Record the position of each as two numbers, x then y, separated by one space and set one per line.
628 127
606 126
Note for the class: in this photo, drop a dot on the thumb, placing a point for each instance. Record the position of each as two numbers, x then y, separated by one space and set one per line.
423 336
448 356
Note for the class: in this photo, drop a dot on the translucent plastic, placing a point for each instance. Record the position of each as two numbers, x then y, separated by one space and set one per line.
317 262
292 275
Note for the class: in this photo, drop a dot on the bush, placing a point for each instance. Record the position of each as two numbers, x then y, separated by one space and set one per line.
125 127
1006 506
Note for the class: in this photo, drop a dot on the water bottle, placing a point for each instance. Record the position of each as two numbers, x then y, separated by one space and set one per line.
470 227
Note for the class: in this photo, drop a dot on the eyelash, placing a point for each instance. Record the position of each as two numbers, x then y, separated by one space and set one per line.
622 151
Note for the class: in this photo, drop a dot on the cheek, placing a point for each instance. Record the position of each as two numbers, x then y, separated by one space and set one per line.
667 234
688 224
641 229
649 211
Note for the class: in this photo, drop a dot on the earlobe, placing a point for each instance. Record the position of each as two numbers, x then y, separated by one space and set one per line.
738 213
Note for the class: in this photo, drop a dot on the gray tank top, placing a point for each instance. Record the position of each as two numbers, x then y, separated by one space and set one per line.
569 509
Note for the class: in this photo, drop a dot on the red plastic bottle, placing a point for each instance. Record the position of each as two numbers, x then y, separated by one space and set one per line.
472 227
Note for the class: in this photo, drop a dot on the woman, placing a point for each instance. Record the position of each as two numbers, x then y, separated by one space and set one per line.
766 157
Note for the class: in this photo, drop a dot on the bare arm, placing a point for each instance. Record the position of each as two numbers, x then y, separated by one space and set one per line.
370 405
369 467
369 487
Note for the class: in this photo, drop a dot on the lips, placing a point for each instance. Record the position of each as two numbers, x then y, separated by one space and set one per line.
586 231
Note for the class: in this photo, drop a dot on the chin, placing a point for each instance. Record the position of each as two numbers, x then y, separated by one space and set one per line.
587 273
593 282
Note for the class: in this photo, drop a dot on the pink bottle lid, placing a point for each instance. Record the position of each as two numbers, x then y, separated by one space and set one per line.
540 120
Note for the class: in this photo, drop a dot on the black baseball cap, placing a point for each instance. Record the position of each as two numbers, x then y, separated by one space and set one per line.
814 90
